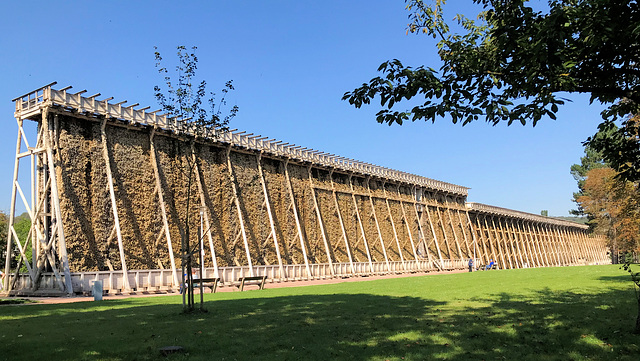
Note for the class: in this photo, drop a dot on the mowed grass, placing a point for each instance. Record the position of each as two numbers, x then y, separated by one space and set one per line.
571 313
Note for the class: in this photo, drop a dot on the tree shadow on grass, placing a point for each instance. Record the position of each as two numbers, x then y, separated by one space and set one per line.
544 326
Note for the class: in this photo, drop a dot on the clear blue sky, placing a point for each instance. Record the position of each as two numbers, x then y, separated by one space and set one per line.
291 62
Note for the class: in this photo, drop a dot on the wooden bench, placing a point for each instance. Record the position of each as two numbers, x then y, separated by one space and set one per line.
211 283
259 280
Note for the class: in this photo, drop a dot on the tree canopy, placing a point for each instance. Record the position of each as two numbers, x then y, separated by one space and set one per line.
613 206
514 62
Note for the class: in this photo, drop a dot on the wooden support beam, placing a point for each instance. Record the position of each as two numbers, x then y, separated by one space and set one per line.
342 226
455 235
444 232
435 238
464 235
393 226
500 250
114 207
509 242
163 211
205 215
323 232
423 239
360 225
375 219
483 254
296 216
406 222
272 224
492 247
236 200
7 265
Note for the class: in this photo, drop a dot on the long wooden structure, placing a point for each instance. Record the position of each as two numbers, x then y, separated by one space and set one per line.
109 190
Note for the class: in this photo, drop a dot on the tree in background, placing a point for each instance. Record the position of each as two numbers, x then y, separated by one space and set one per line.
22 225
620 146
182 100
4 227
514 63
613 207
592 159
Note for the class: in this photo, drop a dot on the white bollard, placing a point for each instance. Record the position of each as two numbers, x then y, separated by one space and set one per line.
96 289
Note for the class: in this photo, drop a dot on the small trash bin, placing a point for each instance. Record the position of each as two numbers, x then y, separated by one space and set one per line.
96 289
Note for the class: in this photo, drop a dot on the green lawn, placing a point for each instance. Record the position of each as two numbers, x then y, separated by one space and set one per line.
572 313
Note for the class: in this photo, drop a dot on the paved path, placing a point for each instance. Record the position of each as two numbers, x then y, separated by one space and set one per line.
55 300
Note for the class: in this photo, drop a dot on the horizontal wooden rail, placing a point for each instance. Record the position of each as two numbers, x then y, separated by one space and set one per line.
31 103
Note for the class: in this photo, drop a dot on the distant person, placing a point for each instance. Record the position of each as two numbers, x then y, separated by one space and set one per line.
470 264
490 265
1 280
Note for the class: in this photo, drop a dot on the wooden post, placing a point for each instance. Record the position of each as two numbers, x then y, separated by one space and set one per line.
491 244
364 236
508 243
114 207
205 216
375 219
342 227
163 212
453 230
421 230
271 217
320 222
297 218
522 251
464 234
435 239
475 239
7 265
444 232
500 250
406 223
236 200
393 225
62 245
540 244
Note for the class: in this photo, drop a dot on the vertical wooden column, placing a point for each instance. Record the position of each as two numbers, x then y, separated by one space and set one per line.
551 246
236 200
7 265
581 244
323 232
393 226
464 234
435 238
568 241
502 251
517 239
205 215
571 244
559 246
364 236
421 229
406 223
492 248
508 245
484 238
114 207
272 224
528 243
296 216
481 251
343 229
375 219
455 235
541 244
444 232
163 211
